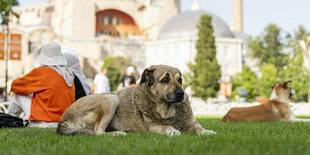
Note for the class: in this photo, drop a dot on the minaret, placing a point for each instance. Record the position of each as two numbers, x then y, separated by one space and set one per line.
237 24
195 6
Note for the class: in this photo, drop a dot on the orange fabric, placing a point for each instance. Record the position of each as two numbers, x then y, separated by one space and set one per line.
51 95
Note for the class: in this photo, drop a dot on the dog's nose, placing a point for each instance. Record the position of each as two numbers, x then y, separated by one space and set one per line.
179 93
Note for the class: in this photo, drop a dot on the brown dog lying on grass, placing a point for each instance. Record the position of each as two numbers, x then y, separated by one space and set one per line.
276 109
158 104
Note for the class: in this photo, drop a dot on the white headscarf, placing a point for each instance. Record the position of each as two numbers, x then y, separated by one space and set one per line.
64 72
74 65
50 55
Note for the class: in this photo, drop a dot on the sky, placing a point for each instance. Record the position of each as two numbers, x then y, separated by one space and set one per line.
257 14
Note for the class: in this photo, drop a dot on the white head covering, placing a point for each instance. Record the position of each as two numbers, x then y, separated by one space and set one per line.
74 66
130 69
50 55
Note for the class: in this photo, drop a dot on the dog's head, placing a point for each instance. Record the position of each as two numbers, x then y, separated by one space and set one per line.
163 83
283 90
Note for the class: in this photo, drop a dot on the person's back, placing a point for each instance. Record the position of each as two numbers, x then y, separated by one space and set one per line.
101 82
45 92
51 95
128 79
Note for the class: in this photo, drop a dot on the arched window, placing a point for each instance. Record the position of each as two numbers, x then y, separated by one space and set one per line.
116 24
110 20
102 19
110 33
118 20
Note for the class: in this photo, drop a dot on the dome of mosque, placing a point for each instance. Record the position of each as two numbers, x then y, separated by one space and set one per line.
185 25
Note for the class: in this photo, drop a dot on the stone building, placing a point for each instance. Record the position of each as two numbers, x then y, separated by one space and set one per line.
176 43
95 29
147 31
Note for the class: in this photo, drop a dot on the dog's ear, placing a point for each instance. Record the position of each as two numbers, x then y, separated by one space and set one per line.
273 86
147 76
285 84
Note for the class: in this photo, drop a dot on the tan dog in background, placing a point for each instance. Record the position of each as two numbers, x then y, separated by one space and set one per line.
277 108
158 104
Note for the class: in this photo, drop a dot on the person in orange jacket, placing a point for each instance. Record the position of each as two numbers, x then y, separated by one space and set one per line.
45 92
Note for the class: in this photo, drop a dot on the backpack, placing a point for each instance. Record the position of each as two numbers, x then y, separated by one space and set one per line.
9 121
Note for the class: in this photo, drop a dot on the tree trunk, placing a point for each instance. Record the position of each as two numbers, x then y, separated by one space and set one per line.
305 46
308 57
308 54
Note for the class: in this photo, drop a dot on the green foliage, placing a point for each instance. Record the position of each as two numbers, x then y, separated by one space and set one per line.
6 10
300 34
206 70
267 80
248 80
238 138
116 69
299 76
187 79
267 49
296 71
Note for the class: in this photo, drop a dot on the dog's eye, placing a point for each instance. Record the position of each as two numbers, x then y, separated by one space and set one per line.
180 80
165 80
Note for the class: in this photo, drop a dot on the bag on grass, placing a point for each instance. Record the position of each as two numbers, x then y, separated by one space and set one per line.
7 120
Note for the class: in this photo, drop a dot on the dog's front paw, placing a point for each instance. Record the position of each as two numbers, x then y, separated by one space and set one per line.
172 132
206 132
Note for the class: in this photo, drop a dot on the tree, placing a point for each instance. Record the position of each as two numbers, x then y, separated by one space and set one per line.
296 70
6 9
206 70
116 69
267 80
304 43
267 49
5 12
299 75
247 80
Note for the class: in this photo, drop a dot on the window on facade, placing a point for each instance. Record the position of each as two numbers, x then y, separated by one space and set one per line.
110 32
102 19
117 34
110 18
101 31
126 22
118 20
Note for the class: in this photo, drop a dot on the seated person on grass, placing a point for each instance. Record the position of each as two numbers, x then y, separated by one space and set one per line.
45 92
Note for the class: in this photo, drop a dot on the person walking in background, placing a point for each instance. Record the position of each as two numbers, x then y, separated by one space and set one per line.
45 92
128 79
101 82
82 87
188 90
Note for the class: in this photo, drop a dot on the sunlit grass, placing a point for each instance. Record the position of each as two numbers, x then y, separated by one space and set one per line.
232 138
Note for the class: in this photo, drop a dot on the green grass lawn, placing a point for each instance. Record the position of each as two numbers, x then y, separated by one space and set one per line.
232 138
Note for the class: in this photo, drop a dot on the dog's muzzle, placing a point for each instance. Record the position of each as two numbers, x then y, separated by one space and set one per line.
179 95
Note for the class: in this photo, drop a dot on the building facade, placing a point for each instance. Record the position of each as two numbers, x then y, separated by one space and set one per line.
147 31
176 44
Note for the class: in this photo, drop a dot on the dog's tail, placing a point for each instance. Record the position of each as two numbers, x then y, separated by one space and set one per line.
63 129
